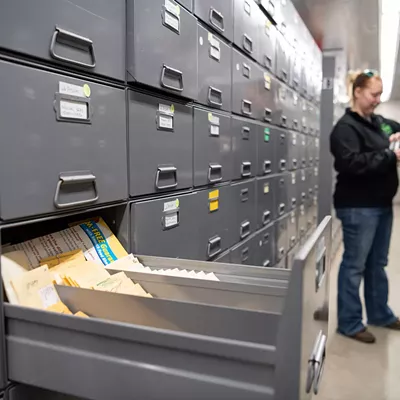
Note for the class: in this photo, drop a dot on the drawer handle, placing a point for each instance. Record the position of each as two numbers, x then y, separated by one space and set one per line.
316 364
281 252
268 62
217 19
294 163
244 229
281 208
214 169
296 124
246 107
283 165
214 92
166 70
266 218
294 201
244 195
247 43
214 246
166 171
284 121
67 179
246 133
267 263
267 167
292 241
245 254
268 115
246 169
74 38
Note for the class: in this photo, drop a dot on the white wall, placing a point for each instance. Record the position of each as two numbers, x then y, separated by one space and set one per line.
391 110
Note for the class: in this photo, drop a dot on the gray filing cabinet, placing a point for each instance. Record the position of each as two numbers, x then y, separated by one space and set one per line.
165 227
214 70
265 243
86 35
281 113
245 252
266 150
245 85
246 20
213 220
267 43
281 238
162 46
217 14
212 147
266 200
160 144
68 150
242 210
244 147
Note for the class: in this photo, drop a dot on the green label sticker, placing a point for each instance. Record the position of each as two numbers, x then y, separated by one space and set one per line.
387 129
266 135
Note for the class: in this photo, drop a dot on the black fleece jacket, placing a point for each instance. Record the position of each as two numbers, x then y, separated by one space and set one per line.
367 169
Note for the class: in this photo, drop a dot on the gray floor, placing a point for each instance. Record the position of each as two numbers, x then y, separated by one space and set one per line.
357 371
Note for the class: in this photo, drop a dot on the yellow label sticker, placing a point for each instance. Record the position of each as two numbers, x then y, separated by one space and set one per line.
266 188
214 205
210 36
177 203
86 90
178 10
172 108
214 195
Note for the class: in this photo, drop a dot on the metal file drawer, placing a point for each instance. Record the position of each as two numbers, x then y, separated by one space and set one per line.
160 144
303 186
304 125
217 14
213 222
280 115
245 87
162 46
282 149
281 238
292 222
302 150
165 227
242 210
245 26
267 85
283 51
294 152
265 242
244 253
214 70
63 142
295 113
266 150
296 66
293 190
310 151
244 147
282 205
212 147
85 35
266 201
267 44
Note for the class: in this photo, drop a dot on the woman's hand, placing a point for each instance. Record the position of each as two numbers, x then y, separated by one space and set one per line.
395 137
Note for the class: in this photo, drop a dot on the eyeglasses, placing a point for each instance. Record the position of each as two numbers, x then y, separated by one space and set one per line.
370 72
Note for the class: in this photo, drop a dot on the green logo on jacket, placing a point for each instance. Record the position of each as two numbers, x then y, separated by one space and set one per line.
387 129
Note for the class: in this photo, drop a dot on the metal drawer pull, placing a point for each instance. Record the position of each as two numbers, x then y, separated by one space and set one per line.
296 124
245 254
214 243
267 167
246 107
246 169
293 240
244 229
247 43
266 263
266 218
166 170
267 115
214 169
217 93
68 179
295 163
77 39
166 70
294 201
282 252
283 165
244 195
281 208
217 19
284 121
268 62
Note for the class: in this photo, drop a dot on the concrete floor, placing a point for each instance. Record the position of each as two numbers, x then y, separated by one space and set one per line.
356 371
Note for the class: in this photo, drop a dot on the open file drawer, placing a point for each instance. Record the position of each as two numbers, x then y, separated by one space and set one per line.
191 350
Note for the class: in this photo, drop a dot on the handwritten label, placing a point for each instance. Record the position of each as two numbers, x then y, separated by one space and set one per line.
72 90
48 295
171 205
73 110
171 220
165 121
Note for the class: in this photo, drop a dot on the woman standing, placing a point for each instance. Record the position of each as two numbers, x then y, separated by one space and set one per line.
366 184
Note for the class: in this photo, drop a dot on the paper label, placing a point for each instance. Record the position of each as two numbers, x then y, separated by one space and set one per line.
215 53
294 139
214 130
165 121
213 119
171 205
267 81
214 195
172 7
293 178
72 90
48 295
214 205
266 188
267 27
166 109
171 21
171 220
73 110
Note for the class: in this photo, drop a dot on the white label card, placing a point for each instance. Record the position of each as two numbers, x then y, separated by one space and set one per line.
72 90
213 119
171 220
166 109
48 295
172 7
166 121
214 130
73 110
172 21
171 205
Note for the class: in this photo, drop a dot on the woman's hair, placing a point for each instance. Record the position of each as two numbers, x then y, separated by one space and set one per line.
359 79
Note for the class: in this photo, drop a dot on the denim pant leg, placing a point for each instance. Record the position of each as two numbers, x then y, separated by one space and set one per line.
359 227
376 286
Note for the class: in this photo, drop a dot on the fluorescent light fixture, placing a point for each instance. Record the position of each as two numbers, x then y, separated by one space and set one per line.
389 33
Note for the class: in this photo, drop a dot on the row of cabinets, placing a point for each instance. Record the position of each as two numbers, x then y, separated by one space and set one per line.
203 224
167 48
81 143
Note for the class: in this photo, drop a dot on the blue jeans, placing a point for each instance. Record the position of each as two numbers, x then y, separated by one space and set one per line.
366 238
